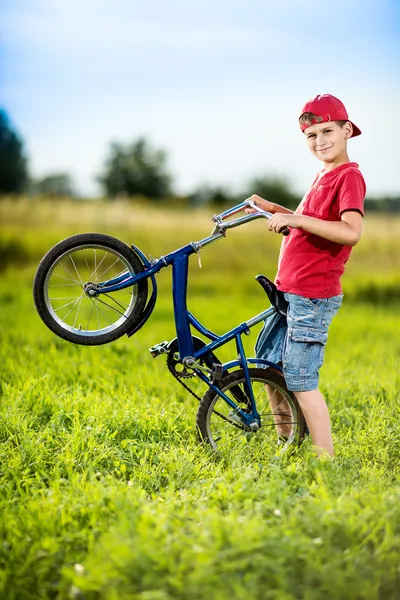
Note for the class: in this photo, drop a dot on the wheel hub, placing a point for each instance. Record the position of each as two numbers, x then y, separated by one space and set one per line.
91 289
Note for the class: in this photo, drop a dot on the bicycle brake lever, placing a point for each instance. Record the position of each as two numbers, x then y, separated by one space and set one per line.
284 230
254 206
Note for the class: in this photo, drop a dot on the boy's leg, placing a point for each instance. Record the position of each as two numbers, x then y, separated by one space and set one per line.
281 411
308 322
315 410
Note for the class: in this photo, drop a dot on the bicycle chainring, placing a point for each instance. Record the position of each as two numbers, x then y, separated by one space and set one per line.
174 365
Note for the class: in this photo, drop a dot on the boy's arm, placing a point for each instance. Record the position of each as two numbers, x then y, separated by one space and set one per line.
350 204
268 206
347 231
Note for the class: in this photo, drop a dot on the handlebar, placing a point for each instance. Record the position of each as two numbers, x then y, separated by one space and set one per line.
220 226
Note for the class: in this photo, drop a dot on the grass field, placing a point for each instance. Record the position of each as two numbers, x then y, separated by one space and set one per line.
105 490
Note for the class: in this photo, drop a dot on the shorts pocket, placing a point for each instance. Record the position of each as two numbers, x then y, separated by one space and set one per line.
300 339
304 354
308 335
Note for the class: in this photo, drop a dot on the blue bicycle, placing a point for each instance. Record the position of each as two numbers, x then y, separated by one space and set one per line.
92 288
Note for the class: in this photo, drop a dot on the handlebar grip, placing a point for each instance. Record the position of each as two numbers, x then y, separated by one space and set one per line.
284 231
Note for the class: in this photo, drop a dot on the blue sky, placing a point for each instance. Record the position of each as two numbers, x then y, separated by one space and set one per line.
218 84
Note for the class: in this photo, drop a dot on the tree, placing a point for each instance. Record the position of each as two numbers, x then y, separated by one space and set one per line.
13 163
55 185
386 204
274 189
217 196
136 169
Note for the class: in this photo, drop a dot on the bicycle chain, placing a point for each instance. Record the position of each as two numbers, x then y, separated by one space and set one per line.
176 376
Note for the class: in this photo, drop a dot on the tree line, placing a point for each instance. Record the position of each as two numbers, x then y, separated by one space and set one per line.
138 169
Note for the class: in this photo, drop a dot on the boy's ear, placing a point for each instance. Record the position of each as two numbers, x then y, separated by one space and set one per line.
348 129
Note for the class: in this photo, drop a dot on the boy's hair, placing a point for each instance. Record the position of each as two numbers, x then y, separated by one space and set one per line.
308 119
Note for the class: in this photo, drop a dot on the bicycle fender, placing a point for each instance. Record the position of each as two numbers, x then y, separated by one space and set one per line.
146 314
257 361
153 298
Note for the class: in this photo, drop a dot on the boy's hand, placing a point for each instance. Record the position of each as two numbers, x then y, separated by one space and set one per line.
261 203
280 220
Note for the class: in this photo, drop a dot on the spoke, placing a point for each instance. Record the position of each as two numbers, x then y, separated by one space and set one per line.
64 298
112 308
71 277
116 301
276 407
106 318
238 393
123 272
264 412
84 256
274 412
230 423
221 424
90 315
60 284
72 307
77 272
77 312
67 304
215 412
104 272
285 413
98 266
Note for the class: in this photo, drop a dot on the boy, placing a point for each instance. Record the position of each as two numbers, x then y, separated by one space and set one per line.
323 229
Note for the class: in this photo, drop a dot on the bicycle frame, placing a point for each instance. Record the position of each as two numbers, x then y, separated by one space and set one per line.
184 319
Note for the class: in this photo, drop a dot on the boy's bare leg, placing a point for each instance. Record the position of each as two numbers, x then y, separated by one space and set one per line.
281 411
315 410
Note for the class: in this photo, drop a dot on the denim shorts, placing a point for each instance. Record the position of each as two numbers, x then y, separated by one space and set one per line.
299 342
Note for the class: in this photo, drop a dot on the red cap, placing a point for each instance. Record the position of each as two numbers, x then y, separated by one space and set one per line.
327 108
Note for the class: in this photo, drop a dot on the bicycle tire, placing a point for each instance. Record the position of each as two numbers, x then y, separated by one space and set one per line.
95 255
232 384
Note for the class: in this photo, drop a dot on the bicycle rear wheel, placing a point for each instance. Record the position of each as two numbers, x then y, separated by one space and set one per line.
219 425
62 284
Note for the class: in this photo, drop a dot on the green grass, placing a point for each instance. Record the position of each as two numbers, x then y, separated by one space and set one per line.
105 491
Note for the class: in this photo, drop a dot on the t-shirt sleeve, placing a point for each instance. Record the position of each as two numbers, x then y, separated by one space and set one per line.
351 193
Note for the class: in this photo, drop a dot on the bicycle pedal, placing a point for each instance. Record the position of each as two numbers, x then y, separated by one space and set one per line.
217 372
161 348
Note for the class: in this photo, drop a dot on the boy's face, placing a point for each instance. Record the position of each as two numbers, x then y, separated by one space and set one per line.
328 141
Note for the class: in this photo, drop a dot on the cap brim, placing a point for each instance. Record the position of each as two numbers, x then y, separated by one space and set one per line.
356 130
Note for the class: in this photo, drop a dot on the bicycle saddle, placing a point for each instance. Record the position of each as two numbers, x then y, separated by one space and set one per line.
275 296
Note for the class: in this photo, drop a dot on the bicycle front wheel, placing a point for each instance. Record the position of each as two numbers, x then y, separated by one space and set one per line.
67 274
281 418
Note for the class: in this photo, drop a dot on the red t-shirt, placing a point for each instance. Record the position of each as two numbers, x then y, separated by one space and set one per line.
310 265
